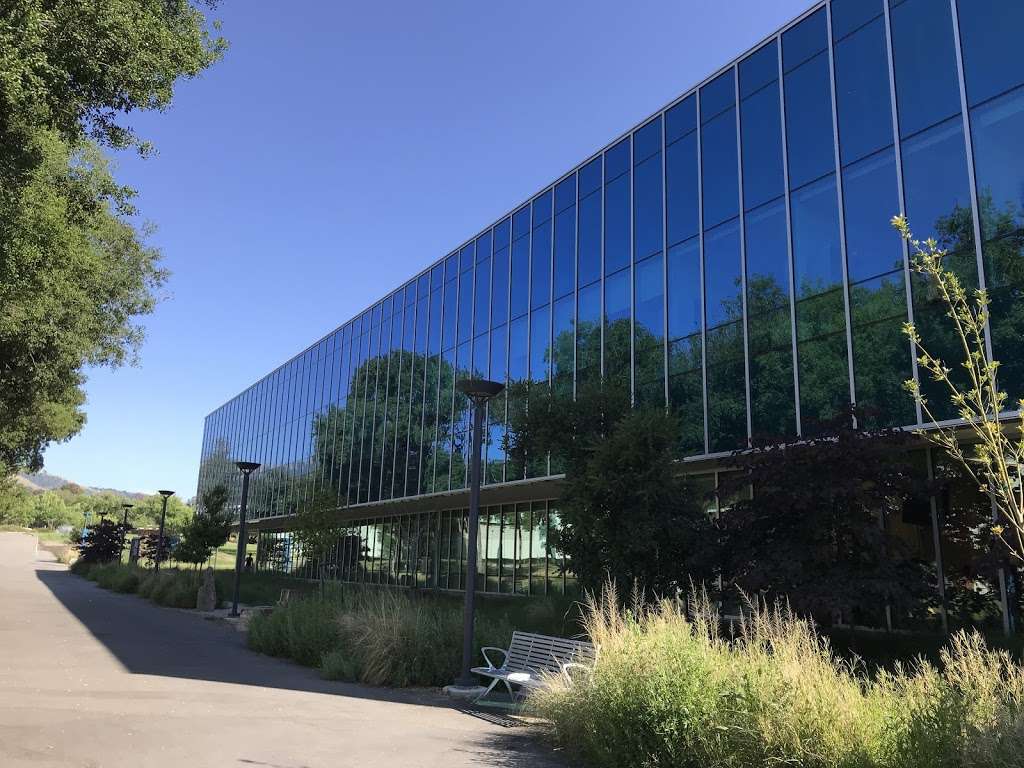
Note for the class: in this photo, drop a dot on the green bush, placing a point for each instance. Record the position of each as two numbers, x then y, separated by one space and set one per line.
383 636
668 690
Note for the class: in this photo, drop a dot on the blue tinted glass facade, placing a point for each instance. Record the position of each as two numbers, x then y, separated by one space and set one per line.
730 257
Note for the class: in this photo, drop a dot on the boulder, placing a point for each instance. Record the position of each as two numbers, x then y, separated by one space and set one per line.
206 599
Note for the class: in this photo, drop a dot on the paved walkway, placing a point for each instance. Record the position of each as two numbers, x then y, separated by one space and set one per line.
93 679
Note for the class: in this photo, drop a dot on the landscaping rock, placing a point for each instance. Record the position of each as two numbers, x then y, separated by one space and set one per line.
206 599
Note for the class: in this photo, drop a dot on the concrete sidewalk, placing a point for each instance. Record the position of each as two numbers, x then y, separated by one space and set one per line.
93 679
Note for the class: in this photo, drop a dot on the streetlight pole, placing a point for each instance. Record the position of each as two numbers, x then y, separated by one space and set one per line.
479 391
246 468
124 528
163 520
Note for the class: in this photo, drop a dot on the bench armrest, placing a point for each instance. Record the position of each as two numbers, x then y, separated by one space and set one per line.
569 677
487 658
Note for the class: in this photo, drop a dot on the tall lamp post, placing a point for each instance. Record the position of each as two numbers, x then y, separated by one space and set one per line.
124 528
246 468
479 391
163 520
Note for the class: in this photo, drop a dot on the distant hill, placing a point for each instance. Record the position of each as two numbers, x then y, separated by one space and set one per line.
44 481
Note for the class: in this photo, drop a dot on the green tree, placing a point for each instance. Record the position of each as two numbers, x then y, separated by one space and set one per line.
103 543
74 271
15 504
49 511
208 529
316 531
626 511
813 531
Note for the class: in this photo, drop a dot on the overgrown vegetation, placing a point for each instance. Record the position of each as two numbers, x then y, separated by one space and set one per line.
178 587
383 636
669 690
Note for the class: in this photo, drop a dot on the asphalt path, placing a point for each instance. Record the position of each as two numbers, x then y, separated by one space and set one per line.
94 679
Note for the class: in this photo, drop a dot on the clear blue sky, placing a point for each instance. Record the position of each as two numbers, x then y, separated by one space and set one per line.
341 147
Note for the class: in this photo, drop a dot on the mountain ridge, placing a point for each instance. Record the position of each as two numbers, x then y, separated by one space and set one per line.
39 482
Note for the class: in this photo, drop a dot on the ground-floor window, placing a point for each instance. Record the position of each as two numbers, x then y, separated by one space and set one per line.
517 551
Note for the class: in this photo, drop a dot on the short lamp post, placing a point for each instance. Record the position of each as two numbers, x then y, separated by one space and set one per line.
163 520
479 391
127 508
246 468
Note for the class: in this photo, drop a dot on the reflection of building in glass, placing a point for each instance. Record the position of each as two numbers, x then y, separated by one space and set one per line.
731 256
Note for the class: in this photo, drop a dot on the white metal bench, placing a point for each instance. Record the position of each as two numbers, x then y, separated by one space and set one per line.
530 657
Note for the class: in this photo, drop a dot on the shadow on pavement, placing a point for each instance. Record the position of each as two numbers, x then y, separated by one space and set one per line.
151 640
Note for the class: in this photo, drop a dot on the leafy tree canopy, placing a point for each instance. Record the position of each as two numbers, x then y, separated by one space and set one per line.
74 271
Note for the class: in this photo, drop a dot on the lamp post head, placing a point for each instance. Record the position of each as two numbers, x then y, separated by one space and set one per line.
479 390
126 507
247 466
166 494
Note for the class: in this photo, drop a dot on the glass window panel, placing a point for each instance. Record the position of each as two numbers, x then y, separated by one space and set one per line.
682 189
499 354
565 193
451 295
870 198
466 256
499 288
990 36
565 252
617 328
540 344
588 333
936 187
564 339
465 307
518 350
881 353
616 224
540 287
681 119
862 92
822 359
684 289
727 406
520 281
483 246
816 255
717 96
481 348
767 257
759 69
719 170
649 330
541 208
451 267
686 391
482 307
590 177
848 15
772 401
809 121
647 141
434 331
521 222
761 126
805 40
722 270
616 160
501 234
648 216
997 129
925 64
590 239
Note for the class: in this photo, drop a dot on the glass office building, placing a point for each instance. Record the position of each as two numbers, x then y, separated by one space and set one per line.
730 256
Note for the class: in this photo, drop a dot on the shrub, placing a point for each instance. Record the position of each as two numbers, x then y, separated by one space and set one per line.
668 690
379 636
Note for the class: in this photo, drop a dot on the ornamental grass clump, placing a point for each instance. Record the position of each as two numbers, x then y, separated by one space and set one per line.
668 689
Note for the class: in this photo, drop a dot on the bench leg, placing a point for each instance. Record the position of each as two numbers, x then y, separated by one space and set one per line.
494 682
